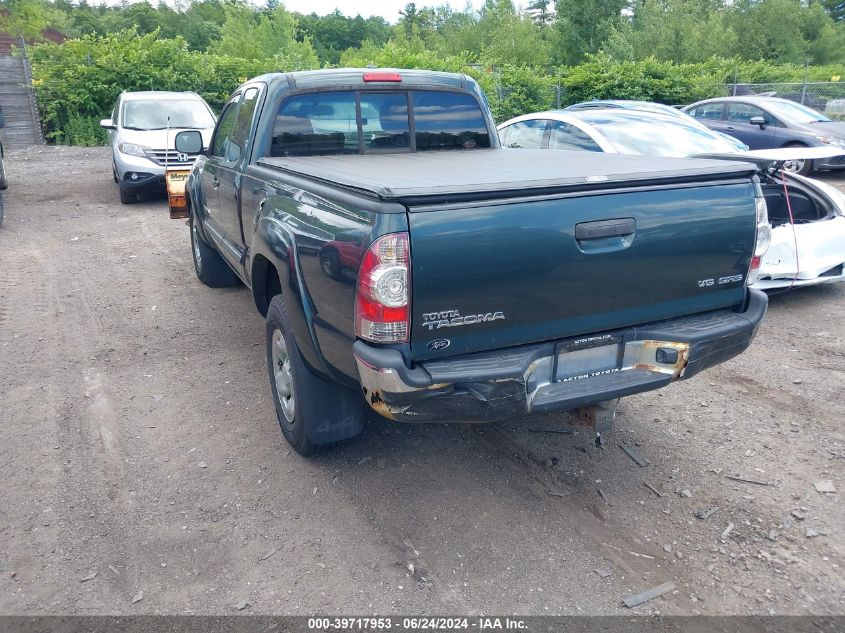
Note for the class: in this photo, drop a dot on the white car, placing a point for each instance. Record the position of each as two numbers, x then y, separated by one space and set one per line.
808 244
142 131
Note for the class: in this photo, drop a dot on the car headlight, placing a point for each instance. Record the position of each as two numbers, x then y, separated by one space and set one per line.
132 149
838 142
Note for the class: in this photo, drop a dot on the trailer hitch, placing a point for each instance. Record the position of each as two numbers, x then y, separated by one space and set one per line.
599 417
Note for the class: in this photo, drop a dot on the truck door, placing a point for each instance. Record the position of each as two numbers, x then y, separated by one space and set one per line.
739 125
218 155
230 171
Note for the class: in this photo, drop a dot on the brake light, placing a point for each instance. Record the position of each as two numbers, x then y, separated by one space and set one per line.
383 296
377 76
762 240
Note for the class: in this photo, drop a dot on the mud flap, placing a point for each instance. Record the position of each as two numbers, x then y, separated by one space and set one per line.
332 419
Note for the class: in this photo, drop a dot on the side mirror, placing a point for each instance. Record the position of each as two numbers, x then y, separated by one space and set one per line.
108 124
189 142
758 120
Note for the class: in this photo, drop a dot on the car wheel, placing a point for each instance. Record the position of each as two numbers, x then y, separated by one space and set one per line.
312 412
801 167
330 263
127 197
3 182
211 268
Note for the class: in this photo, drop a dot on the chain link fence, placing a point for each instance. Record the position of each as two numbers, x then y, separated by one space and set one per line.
828 97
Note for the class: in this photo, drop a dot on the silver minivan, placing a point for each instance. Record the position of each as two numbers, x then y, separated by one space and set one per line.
142 129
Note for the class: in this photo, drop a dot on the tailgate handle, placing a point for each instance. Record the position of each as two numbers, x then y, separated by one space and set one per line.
605 228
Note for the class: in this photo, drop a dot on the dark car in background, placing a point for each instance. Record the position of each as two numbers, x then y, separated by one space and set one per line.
769 122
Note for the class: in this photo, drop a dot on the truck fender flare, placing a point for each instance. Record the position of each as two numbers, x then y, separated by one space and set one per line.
194 202
274 249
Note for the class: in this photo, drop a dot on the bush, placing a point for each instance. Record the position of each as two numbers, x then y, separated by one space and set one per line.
84 131
78 82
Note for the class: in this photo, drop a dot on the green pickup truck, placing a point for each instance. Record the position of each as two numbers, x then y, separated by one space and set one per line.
406 263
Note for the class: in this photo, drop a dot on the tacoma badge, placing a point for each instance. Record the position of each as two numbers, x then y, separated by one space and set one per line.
453 318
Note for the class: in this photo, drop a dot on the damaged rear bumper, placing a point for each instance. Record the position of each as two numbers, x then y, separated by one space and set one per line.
496 385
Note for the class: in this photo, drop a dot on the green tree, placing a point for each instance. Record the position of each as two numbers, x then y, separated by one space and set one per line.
583 26
674 30
266 35
510 38
28 18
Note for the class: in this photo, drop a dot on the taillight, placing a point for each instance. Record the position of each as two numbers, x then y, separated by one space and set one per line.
383 297
762 240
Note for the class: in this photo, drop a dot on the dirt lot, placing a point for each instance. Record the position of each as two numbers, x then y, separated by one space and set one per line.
138 443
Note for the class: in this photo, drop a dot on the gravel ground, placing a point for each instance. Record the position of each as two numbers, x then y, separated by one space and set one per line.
143 470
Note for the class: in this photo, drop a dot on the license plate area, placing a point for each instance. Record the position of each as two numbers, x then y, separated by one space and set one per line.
583 358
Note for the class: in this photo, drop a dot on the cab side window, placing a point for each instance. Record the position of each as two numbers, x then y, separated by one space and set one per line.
242 126
221 140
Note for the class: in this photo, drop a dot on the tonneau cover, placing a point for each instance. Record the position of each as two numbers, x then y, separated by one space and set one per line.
400 177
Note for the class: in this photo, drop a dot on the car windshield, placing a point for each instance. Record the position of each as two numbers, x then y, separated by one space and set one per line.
658 136
158 114
795 112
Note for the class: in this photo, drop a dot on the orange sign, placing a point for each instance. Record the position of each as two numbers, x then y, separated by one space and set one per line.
176 181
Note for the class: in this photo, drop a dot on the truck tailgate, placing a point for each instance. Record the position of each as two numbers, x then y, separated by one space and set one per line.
488 275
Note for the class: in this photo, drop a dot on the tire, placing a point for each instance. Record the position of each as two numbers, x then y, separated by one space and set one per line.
4 183
127 197
800 167
211 268
312 412
330 264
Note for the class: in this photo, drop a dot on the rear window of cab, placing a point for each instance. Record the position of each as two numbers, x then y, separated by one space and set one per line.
353 122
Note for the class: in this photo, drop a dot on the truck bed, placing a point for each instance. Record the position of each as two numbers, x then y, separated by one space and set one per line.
477 174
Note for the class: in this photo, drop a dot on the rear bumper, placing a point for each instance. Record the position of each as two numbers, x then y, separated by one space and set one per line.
496 385
836 162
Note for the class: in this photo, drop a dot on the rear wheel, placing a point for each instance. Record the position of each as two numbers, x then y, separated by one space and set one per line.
312 412
210 267
799 166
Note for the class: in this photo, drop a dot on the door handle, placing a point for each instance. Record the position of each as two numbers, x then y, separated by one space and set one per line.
605 228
